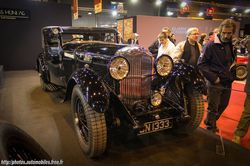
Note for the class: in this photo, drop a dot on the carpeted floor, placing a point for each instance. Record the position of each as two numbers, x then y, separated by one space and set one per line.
230 118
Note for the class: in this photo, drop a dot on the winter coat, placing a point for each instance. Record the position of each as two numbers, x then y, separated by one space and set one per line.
214 62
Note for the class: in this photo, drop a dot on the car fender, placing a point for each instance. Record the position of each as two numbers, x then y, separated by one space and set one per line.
188 74
93 89
42 68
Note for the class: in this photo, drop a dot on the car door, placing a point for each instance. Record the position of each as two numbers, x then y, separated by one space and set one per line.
69 62
54 54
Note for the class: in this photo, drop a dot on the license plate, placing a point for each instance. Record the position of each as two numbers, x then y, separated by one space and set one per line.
155 126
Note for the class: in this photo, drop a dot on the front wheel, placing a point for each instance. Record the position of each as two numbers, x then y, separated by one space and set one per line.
195 106
90 126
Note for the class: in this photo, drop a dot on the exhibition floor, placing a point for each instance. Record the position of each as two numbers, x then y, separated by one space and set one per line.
230 118
24 104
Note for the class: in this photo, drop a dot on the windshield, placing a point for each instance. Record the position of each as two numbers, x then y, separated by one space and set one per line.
89 36
106 49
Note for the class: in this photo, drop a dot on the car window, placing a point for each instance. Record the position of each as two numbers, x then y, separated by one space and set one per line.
109 37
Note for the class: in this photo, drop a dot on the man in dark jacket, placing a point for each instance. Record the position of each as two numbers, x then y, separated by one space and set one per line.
244 122
216 62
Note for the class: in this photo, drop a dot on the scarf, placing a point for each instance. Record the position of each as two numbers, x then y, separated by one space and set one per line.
187 53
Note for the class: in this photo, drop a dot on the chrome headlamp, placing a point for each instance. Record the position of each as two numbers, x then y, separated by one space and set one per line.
164 65
119 68
156 99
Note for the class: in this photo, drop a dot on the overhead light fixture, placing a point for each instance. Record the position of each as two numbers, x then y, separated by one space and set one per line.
247 11
200 14
158 2
183 4
89 13
105 25
114 13
233 9
134 1
184 10
169 13
210 11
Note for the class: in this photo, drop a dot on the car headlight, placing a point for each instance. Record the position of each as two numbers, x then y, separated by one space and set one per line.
119 68
156 99
164 65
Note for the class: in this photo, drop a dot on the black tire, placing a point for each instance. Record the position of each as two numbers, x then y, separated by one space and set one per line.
196 112
241 72
15 144
90 126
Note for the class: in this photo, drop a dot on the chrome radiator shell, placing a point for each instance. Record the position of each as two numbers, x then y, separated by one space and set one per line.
137 85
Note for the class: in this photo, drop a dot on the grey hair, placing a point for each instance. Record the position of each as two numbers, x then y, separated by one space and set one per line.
190 30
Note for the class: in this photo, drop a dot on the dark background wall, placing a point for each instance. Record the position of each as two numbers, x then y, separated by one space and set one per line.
247 29
21 39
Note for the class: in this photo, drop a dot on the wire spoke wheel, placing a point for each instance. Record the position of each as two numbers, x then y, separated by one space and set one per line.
195 109
81 119
90 126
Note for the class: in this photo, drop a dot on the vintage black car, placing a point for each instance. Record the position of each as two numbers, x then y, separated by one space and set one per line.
117 87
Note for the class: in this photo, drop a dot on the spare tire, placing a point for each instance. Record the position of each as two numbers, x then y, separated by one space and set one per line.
15 144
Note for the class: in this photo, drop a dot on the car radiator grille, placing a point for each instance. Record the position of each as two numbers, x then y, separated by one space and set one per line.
137 84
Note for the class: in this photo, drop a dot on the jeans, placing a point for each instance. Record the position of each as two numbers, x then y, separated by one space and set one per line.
218 99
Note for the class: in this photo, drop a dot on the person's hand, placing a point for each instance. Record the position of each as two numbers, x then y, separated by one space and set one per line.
217 80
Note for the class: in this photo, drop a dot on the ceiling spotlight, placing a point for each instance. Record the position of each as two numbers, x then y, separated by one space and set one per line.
114 13
183 4
233 9
200 14
89 13
158 2
247 11
169 13
134 1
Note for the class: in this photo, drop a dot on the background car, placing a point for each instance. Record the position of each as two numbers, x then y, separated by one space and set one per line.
116 88
242 46
241 66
